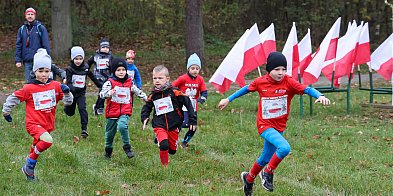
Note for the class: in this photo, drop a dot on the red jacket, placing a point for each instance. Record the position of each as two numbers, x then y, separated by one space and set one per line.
41 101
120 102
191 87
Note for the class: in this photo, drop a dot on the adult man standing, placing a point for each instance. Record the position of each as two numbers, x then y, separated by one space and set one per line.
31 36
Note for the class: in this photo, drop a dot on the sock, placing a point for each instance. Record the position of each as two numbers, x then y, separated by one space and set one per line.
164 157
273 163
254 171
39 147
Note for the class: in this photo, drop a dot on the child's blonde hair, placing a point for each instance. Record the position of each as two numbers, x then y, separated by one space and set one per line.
161 68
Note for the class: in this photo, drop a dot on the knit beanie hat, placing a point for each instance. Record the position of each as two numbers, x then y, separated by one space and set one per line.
104 43
30 10
194 60
116 63
130 54
77 51
42 60
274 60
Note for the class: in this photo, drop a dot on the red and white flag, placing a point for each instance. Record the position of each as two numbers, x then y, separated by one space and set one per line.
363 50
268 40
325 52
291 53
241 59
305 52
382 58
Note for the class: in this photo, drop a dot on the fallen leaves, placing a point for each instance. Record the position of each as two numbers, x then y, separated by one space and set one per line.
75 140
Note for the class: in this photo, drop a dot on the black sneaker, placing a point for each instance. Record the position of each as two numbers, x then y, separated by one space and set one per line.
84 134
247 186
267 180
108 153
128 150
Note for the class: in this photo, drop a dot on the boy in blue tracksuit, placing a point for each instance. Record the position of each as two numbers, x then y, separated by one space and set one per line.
101 60
31 36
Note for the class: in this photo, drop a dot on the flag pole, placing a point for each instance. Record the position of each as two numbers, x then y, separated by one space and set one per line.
259 71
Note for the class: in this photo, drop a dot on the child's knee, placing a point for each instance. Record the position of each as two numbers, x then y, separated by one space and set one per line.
172 152
164 145
46 137
122 127
283 150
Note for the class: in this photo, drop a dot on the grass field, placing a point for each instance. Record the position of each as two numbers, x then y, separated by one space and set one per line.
332 153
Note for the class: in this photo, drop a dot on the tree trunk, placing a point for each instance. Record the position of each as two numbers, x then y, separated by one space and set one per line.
194 29
61 28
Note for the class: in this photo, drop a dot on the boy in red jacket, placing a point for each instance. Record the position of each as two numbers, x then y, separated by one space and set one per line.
167 114
117 92
41 97
193 85
276 91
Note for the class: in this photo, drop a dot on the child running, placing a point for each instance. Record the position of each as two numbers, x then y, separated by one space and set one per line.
193 85
41 97
276 91
132 70
77 72
117 92
167 102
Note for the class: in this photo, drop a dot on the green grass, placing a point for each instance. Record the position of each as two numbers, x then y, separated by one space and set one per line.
332 153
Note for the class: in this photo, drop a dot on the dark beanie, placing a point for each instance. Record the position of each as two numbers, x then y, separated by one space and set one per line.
116 63
274 60
104 43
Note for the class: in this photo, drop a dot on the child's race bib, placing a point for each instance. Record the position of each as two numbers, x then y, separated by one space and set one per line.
102 63
121 95
78 81
273 107
44 100
193 102
131 73
163 105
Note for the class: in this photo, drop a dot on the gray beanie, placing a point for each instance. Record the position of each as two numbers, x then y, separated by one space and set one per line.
41 60
77 51
194 60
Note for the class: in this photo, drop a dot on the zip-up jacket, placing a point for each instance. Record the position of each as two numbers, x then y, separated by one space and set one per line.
29 39
76 78
173 119
101 63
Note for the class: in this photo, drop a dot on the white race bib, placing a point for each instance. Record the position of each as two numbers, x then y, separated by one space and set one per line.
163 105
102 63
121 95
273 107
193 102
78 81
131 73
44 100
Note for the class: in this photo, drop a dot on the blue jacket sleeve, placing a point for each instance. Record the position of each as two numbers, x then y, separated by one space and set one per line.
138 79
239 93
18 49
312 92
45 39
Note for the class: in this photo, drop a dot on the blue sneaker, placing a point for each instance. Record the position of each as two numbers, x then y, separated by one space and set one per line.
28 169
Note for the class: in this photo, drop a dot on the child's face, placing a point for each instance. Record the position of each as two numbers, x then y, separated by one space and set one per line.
30 17
159 79
278 73
104 49
42 74
194 70
120 72
78 60
130 60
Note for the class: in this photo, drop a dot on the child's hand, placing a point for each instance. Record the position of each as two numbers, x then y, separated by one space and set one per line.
145 123
111 92
64 81
202 99
65 88
322 99
193 127
223 103
7 117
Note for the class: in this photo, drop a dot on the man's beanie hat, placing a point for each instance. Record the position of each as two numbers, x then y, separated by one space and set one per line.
104 43
116 63
42 60
194 60
274 60
30 10
77 51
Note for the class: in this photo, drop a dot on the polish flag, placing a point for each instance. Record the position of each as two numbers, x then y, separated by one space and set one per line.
363 50
305 51
291 53
382 58
268 40
325 52
346 52
254 55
